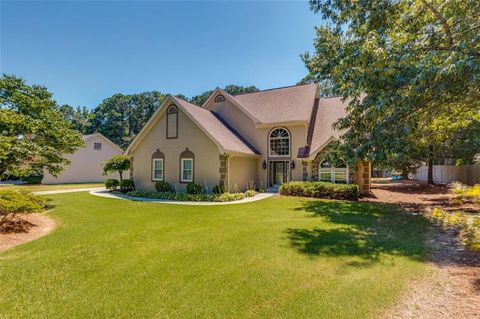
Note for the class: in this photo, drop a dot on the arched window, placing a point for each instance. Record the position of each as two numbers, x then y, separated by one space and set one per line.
219 98
158 164
172 122
333 173
279 142
186 166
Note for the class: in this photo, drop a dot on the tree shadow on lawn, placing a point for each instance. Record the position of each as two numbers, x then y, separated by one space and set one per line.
365 230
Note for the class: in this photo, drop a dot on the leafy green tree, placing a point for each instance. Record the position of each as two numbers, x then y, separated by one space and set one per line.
118 163
402 65
34 133
81 117
120 117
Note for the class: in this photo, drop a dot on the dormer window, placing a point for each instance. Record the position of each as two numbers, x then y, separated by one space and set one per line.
219 98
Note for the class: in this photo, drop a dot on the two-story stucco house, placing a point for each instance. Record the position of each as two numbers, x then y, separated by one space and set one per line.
263 138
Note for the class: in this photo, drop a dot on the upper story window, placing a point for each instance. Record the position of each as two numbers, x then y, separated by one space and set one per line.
279 142
97 146
172 122
219 98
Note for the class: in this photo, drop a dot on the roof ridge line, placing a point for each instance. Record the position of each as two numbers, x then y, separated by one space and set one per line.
272 89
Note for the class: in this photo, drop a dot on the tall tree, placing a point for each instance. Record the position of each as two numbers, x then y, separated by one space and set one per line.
403 64
81 117
120 117
35 134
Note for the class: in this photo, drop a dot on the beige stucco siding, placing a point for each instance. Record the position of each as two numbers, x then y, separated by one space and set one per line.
258 137
242 173
206 154
85 164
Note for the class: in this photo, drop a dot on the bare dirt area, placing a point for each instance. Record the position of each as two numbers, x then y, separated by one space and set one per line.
39 225
452 287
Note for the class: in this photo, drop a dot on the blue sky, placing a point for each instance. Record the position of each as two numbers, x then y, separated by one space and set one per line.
86 51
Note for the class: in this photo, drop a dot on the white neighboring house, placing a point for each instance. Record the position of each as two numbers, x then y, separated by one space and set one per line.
86 163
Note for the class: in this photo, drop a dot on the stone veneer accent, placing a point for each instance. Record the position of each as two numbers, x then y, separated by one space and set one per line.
223 169
363 177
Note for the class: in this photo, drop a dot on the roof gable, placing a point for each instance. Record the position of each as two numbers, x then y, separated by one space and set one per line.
225 139
88 137
218 91
329 111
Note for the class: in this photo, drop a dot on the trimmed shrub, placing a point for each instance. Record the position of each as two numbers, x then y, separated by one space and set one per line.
250 193
127 185
194 189
320 190
13 203
111 184
33 179
218 189
163 187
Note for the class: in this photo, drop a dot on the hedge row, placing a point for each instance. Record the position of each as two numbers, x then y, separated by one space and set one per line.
320 190
225 197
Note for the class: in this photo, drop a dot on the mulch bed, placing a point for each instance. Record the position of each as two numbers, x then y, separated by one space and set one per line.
452 288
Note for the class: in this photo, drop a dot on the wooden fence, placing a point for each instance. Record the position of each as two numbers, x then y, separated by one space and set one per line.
467 174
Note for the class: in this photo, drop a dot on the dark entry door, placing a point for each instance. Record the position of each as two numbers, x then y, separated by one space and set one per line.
279 173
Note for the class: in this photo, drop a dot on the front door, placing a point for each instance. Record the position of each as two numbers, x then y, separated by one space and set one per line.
279 173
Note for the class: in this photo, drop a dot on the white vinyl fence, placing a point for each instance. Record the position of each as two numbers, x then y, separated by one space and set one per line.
467 174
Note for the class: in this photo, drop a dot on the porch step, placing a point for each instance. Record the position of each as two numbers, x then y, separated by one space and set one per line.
273 189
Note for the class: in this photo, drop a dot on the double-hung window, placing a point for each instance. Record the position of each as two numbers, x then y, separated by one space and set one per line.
187 170
157 169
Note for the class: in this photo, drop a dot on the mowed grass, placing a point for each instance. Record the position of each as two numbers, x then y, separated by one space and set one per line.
49 187
276 258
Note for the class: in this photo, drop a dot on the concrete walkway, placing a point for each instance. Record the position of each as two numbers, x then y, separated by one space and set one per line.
73 190
107 194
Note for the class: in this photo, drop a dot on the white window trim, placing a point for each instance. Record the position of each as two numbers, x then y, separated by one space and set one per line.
153 169
332 171
279 138
182 166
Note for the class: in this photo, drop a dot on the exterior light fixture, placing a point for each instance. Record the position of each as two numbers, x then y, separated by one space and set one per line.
264 164
292 165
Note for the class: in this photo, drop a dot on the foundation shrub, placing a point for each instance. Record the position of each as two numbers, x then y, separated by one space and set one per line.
163 187
320 190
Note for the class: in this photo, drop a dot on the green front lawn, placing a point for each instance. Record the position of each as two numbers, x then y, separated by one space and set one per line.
279 257
50 187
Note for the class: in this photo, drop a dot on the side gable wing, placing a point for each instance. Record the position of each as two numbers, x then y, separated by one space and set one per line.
218 91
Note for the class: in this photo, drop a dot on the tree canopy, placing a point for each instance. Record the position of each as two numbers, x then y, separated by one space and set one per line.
34 133
118 163
410 70
120 117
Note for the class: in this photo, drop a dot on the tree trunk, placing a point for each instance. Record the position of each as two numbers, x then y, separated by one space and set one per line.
121 175
405 174
430 167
